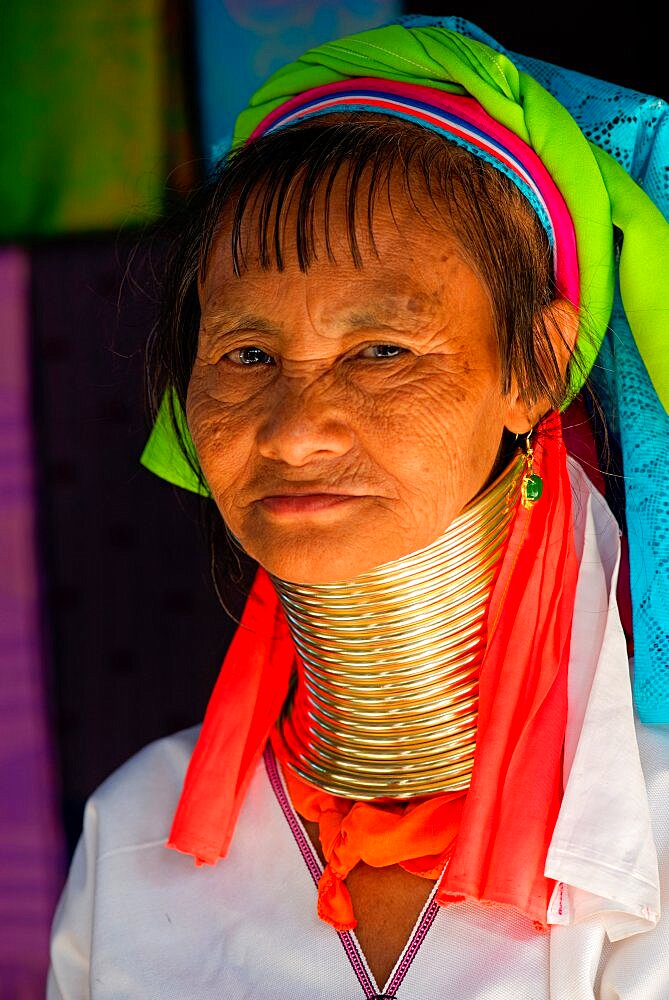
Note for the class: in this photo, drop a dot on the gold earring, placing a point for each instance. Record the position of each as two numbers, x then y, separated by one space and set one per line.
532 485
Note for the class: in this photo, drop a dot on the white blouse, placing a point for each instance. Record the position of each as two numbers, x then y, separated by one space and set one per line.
137 921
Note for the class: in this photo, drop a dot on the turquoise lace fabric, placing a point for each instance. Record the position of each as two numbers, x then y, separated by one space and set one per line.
634 128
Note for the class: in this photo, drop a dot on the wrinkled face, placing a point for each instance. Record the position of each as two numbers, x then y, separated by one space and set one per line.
344 416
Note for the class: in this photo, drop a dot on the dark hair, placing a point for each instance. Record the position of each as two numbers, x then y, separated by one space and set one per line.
500 235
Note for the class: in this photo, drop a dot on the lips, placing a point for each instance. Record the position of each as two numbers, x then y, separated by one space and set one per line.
288 489
305 503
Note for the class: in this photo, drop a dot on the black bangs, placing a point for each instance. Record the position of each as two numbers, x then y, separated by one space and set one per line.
305 163
296 169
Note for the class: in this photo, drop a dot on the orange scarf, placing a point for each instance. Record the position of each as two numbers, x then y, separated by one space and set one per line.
496 836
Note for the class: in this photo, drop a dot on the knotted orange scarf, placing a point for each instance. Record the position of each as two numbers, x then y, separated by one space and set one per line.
496 836
418 835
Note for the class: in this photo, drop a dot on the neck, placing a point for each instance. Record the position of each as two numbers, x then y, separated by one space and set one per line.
386 699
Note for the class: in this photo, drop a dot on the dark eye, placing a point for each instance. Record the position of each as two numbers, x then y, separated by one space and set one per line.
383 351
250 356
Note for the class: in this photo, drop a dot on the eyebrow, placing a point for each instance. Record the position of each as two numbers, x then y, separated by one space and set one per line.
233 321
364 319
354 319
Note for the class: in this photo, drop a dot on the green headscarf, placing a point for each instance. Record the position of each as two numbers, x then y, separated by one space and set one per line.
598 191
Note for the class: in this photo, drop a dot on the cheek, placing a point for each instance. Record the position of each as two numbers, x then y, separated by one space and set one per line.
223 436
440 431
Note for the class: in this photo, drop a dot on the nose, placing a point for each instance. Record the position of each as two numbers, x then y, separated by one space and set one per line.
304 423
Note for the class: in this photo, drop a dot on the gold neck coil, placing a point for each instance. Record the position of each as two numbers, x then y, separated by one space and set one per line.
386 699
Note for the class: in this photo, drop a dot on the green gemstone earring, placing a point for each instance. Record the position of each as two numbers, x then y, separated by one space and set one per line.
532 485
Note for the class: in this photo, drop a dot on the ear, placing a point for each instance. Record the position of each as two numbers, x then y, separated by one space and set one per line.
561 320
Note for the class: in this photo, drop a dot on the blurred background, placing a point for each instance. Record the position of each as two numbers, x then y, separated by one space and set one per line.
111 634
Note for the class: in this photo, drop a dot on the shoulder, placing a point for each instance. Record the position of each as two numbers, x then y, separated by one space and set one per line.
636 966
136 803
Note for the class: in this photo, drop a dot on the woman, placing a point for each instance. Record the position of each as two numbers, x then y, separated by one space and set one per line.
422 744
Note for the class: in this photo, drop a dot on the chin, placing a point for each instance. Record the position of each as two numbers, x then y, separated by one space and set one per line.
308 561
317 568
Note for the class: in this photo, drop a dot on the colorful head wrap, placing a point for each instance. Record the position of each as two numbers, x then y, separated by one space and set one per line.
622 245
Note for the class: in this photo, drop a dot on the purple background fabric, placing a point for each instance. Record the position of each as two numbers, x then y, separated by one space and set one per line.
32 855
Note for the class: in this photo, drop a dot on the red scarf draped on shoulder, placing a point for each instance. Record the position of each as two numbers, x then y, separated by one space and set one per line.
496 835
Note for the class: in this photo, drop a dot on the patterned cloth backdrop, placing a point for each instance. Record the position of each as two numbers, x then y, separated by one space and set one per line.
240 42
82 85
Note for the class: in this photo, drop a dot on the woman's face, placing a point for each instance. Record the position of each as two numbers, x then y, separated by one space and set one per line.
345 416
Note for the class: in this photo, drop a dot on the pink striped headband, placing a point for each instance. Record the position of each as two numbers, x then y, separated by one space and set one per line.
463 120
